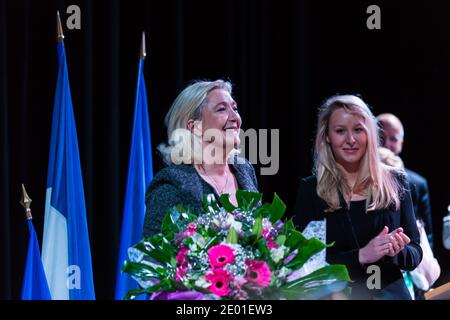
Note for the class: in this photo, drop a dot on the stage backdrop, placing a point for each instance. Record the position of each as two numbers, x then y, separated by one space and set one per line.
284 58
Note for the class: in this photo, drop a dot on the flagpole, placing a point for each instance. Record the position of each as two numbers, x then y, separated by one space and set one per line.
59 29
143 51
26 203
140 174
34 282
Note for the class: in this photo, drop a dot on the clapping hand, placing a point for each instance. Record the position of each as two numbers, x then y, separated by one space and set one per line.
383 244
399 241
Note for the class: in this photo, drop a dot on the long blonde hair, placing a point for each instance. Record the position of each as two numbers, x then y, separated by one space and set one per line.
377 180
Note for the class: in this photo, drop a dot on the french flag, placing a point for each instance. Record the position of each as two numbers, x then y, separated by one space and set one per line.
66 253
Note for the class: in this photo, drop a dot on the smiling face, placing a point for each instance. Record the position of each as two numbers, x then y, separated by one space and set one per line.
220 113
347 138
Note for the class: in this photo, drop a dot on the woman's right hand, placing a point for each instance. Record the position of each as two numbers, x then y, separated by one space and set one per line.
377 248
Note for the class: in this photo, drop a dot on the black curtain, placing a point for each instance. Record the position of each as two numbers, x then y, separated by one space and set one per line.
284 58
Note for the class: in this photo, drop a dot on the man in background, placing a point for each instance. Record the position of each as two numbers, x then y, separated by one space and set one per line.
392 134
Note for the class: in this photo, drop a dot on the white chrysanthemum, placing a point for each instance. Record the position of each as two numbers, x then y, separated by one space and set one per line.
278 253
199 240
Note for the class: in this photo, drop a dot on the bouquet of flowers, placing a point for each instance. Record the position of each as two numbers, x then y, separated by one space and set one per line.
228 252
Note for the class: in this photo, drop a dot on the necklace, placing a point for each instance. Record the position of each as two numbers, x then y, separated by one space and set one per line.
219 192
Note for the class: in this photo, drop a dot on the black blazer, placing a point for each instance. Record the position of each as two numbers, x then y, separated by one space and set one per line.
181 184
349 238
421 201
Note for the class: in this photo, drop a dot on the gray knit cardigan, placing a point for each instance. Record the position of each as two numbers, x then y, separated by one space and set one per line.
181 184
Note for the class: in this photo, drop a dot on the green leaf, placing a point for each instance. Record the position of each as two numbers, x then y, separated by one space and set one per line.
232 236
317 285
168 249
289 225
225 202
280 240
141 247
140 270
262 211
294 239
210 203
262 247
188 241
166 284
306 248
257 228
213 241
171 221
250 240
247 200
305 252
277 209
167 222
160 255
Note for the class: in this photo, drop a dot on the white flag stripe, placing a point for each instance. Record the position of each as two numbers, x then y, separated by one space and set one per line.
55 257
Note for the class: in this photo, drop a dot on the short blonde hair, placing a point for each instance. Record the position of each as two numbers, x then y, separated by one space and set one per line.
375 178
188 105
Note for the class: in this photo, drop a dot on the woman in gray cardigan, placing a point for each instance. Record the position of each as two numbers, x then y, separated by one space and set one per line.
203 126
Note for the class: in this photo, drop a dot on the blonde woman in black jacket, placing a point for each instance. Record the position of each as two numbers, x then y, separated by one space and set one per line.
366 204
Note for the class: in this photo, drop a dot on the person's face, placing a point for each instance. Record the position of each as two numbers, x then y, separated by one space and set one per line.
347 138
220 112
391 139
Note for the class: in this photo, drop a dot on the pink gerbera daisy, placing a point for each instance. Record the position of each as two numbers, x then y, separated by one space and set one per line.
220 255
258 272
181 256
220 280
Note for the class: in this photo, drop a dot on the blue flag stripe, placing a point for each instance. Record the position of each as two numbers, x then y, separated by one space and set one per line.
140 174
34 285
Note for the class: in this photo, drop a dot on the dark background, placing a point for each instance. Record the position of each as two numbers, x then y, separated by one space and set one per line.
284 58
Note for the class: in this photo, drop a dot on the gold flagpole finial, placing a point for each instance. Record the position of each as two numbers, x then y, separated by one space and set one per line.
26 202
143 52
59 29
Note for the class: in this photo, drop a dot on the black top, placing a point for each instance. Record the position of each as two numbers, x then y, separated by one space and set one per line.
351 229
182 185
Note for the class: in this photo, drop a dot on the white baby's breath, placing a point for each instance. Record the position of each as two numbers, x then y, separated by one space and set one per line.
202 282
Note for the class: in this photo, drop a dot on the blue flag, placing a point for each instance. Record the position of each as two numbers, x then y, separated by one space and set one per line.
66 253
140 174
34 285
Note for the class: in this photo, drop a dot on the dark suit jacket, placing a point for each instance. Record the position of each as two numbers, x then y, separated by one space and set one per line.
421 201
342 231
181 184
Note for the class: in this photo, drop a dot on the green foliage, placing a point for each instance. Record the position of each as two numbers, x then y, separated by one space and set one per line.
247 200
232 236
319 284
257 227
225 202
277 209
